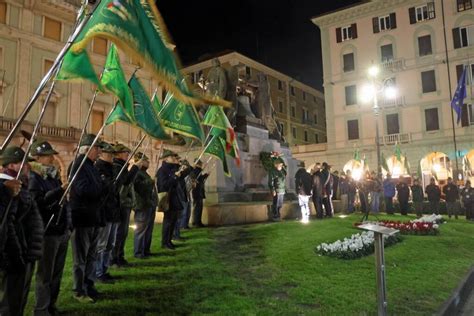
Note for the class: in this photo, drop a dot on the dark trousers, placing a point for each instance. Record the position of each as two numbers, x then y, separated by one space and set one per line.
84 255
118 254
318 205
185 215
433 207
350 202
197 213
105 246
49 272
389 205
363 202
169 222
418 205
277 204
14 288
149 232
142 222
327 202
403 206
469 210
452 208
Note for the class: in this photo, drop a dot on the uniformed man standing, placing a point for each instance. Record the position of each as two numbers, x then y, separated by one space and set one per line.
22 236
434 195
85 201
198 179
46 189
276 183
451 194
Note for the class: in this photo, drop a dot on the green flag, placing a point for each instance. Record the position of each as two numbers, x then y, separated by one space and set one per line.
357 155
406 165
420 173
384 162
118 115
216 148
113 79
145 116
216 118
137 28
77 66
398 152
156 104
181 118
232 149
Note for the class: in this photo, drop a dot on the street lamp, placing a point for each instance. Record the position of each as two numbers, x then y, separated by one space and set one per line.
369 93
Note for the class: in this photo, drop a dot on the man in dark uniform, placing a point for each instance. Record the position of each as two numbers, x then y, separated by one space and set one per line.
434 195
126 201
167 178
199 192
417 197
327 181
403 194
22 236
85 201
46 189
110 213
145 204
276 183
317 190
451 194
303 186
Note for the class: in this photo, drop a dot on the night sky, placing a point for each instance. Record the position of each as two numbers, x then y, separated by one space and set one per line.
277 33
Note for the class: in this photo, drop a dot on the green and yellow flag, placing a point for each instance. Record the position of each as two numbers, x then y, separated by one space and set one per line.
398 152
137 28
113 79
216 118
118 115
156 104
383 162
181 118
232 149
77 66
216 148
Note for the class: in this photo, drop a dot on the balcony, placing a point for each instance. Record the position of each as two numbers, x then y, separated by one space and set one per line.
391 139
393 65
390 103
307 121
62 133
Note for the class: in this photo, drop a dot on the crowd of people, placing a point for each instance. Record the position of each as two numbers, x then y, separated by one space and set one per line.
39 219
370 193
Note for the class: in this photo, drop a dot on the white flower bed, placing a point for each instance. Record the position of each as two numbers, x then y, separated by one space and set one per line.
433 218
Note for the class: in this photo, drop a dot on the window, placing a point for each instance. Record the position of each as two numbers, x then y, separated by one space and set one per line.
393 126
316 138
280 85
97 121
281 129
47 64
466 115
428 81
52 29
463 36
469 75
424 45
353 129
384 23
348 60
99 46
346 33
315 118
431 119
305 115
292 90
293 111
305 136
293 132
422 13
304 96
248 71
3 13
280 106
386 52
470 111
351 95
464 5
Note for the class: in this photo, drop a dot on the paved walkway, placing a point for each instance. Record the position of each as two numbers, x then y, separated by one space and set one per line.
468 308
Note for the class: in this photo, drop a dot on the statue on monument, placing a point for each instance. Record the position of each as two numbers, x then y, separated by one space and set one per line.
217 80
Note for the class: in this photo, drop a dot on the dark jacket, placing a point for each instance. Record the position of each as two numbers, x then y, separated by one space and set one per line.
417 193
433 192
124 183
199 178
47 191
467 195
303 182
317 184
24 231
327 182
388 188
167 181
110 209
451 192
87 192
276 180
351 186
403 192
145 195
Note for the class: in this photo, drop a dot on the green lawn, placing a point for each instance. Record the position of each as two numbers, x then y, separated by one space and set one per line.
272 269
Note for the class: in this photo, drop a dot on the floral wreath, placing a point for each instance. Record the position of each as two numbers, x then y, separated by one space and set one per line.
268 159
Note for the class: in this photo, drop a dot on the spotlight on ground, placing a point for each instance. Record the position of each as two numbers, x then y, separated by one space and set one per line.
343 216
134 227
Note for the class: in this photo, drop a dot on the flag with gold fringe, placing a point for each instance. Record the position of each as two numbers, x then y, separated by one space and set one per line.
216 118
216 148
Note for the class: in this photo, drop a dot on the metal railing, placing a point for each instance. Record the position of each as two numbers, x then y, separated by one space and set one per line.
391 139
50 131
393 64
387 103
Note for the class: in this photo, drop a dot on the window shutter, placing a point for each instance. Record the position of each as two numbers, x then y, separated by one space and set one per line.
431 10
456 38
412 14
393 20
375 24
459 69
354 30
464 116
338 35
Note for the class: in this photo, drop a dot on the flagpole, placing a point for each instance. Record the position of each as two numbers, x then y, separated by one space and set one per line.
130 157
8 100
202 153
449 85
49 74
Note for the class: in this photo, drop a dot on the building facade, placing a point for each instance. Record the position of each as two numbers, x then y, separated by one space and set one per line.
405 39
299 110
31 35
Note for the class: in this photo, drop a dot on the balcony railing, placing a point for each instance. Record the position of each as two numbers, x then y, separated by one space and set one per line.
391 139
387 103
64 133
393 64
